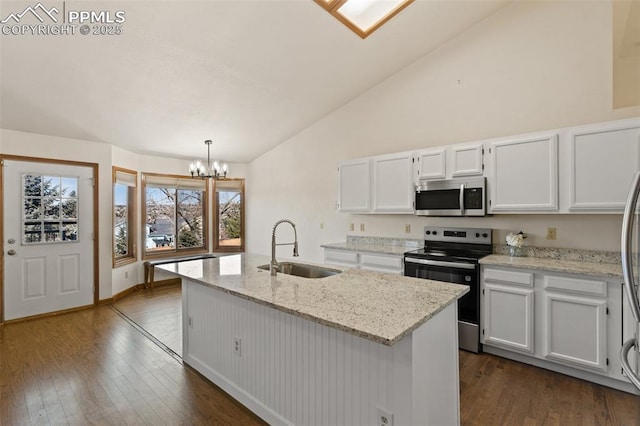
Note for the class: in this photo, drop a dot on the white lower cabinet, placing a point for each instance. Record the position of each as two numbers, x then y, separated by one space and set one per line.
575 330
381 263
376 262
571 323
341 258
509 295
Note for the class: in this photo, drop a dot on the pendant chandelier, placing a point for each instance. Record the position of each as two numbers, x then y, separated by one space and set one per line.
209 170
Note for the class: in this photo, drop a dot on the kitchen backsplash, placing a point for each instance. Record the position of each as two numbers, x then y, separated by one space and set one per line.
384 241
563 254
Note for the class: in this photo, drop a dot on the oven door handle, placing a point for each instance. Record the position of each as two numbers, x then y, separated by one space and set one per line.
440 263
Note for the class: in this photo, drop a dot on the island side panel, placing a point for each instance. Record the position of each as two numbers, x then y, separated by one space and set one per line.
294 371
436 382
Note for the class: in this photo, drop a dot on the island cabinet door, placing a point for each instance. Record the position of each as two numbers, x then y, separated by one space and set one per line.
507 311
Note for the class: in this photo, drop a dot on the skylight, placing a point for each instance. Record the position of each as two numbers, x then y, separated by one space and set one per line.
363 16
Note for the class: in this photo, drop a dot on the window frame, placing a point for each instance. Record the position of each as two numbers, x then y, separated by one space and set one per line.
333 6
143 219
216 224
132 255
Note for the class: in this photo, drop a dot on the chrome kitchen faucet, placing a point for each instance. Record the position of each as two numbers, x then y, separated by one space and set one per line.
274 264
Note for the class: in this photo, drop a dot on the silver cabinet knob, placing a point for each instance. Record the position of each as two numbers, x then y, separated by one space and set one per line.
11 241
11 252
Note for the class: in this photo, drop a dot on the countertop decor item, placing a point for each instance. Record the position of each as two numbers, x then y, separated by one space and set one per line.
515 243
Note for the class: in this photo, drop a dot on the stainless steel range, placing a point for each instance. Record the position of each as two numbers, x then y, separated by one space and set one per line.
452 255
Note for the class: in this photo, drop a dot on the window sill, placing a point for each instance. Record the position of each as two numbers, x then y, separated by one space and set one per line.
123 261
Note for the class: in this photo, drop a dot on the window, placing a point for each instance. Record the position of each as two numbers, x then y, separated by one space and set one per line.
49 209
174 217
124 195
229 208
363 16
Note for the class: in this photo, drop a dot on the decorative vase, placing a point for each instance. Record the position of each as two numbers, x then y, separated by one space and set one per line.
516 251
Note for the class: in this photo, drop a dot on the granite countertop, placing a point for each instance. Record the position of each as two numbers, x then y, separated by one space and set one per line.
383 308
613 270
398 250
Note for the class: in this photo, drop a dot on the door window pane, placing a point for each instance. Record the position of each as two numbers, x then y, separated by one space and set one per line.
49 209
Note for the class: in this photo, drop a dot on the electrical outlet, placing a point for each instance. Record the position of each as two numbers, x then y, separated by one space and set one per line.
351 227
237 346
407 229
362 227
126 274
551 233
321 225
384 418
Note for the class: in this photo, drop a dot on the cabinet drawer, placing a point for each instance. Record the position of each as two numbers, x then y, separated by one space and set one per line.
372 262
575 285
508 277
341 257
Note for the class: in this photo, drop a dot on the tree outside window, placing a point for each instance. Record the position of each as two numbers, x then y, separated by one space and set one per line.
175 217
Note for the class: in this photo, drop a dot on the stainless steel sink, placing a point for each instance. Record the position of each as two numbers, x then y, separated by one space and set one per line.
303 270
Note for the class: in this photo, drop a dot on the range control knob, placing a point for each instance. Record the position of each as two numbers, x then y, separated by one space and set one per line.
477 235
428 232
485 235
435 232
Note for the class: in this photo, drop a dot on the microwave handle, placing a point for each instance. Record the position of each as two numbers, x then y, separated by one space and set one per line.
462 200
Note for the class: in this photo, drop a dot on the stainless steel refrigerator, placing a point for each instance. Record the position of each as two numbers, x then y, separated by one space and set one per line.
630 242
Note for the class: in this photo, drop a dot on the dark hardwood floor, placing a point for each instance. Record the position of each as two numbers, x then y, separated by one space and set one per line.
158 311
94 367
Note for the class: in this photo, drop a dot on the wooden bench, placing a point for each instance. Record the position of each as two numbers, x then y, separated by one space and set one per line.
149 265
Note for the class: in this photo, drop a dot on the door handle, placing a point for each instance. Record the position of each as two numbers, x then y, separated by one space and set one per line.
626 367
11 252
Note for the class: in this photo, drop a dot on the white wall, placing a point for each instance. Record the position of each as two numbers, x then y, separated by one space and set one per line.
531 66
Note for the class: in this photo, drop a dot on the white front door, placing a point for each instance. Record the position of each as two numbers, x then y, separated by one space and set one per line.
48 237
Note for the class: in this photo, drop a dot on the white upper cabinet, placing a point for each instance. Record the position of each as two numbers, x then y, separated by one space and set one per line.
448 162
583 169
354 186
524 174
381 184
431 164
465 160
393 190
603 160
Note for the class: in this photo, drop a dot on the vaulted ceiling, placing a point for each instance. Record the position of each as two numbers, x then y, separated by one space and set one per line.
247 74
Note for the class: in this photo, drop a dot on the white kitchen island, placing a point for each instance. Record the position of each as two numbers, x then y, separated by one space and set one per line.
340 350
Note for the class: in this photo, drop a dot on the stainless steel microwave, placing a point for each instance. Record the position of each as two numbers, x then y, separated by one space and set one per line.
451 197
